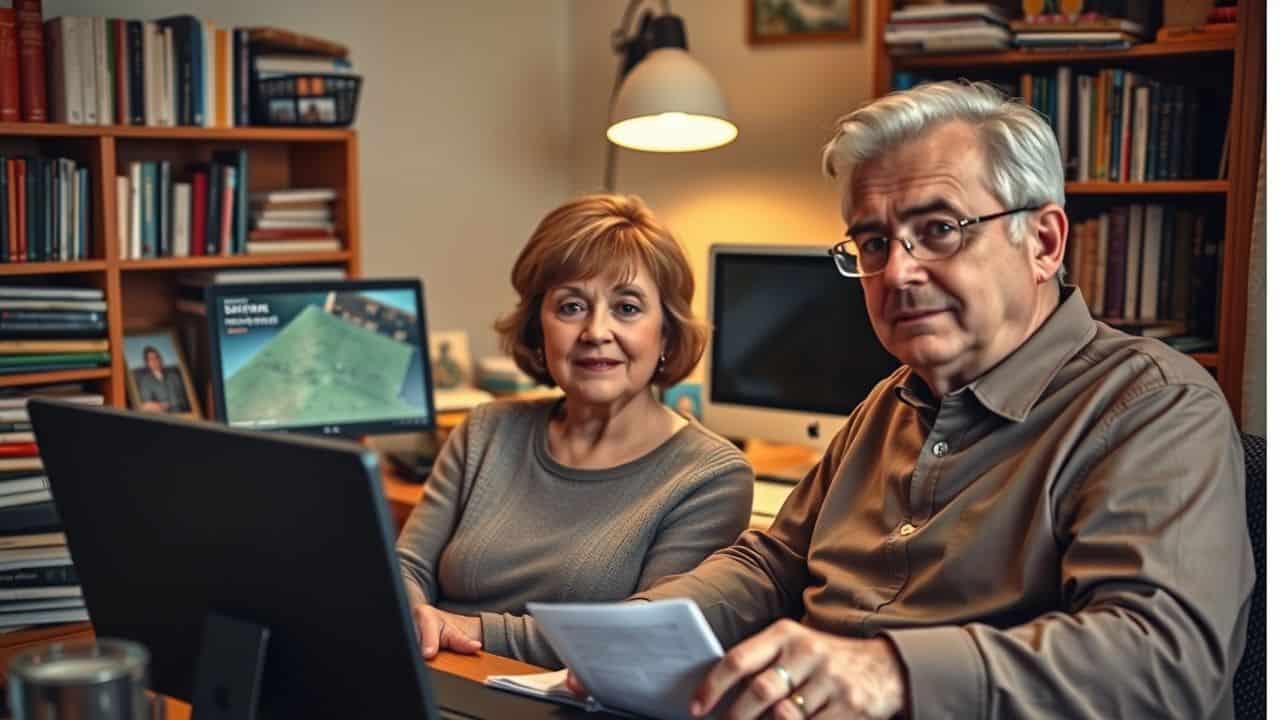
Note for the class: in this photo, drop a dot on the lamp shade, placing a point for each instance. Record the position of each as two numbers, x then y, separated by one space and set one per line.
669 102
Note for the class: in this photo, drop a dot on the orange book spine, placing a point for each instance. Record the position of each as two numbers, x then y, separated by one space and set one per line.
220 79
35 97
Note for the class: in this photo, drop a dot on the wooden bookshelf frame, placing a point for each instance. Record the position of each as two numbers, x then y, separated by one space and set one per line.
1246 50
139 293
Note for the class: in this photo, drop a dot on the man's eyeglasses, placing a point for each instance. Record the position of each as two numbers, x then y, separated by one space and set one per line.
931 236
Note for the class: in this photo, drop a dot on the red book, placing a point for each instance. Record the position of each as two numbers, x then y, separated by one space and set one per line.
199 209
20 198
10 109
35 96
12 199
24 449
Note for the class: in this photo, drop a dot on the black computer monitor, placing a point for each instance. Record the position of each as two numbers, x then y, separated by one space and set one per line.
346 357
169 521
792 350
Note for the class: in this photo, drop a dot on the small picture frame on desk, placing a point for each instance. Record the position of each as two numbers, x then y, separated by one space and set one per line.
157 379
685 398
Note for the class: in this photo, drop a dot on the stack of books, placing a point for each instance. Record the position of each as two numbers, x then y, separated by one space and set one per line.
203 213
1086 31
290 221
38 583
962 27
47 328
44 209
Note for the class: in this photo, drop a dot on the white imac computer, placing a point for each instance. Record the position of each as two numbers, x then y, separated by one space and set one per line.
792 349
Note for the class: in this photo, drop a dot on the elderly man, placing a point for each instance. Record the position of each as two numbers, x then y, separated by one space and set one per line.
1036 516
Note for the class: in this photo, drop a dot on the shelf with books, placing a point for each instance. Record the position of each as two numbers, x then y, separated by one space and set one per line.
1217 44
1163 187
1169 123
232 261
237 134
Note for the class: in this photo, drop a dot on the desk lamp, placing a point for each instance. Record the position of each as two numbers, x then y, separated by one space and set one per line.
663 100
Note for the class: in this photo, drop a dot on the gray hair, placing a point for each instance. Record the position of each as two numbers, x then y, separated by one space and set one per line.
1024 163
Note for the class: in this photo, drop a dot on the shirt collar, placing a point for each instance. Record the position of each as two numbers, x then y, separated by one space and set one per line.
1012 387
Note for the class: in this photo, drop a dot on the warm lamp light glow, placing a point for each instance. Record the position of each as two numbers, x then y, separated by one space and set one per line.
672 132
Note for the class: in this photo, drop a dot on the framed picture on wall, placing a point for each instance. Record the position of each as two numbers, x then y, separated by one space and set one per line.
157 379
799 21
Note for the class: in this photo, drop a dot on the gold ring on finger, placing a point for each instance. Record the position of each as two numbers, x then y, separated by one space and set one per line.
798 700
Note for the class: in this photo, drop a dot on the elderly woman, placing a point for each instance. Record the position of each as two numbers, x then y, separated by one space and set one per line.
589 497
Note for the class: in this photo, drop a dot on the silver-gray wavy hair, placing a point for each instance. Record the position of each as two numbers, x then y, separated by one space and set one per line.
1024 162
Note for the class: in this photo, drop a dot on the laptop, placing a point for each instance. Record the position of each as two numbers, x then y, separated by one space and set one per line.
170 522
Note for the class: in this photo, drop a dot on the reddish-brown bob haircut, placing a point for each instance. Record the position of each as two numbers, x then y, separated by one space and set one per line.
612 236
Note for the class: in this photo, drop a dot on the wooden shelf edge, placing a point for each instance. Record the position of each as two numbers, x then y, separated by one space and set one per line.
232 261
51 268
1209 360
55 376
1224 43
244 134
1163 187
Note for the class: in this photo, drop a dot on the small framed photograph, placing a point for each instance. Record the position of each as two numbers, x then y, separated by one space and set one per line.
800 21
157 379
317 110
450 359
685 398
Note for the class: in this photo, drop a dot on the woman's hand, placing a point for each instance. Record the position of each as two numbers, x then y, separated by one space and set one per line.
439 630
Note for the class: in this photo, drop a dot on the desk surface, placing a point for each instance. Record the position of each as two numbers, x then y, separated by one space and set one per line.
472 667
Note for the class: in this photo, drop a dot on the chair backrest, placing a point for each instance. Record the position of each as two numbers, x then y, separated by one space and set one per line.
1250 684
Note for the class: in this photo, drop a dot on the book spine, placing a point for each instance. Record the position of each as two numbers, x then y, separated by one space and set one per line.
10 95
1164 292
242 77
30 24
84 223
137 94
22 518
1141 116
120 61
1166 133
228 208
11 201
1116 124
1117 257
103 81
213 213
149 212
33 210
199 210
1126 128
1191 146
1177 139
39 577
88 77
20 207
135 210
164 214
181 219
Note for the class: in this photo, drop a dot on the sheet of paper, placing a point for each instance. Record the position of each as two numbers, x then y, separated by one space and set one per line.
641 657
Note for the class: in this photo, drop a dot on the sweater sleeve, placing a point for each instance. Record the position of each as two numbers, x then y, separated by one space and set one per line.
1156 576
433 519
760 578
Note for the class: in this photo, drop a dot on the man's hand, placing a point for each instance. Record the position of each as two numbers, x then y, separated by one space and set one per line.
439 630
824 676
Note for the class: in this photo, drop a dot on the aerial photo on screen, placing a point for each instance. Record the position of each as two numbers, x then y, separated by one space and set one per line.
343 357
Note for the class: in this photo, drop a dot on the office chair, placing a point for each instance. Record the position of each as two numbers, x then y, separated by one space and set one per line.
1250 683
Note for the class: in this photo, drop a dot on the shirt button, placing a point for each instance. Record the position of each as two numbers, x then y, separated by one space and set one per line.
940 448
906 529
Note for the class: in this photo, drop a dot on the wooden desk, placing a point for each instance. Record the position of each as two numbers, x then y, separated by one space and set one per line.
472 667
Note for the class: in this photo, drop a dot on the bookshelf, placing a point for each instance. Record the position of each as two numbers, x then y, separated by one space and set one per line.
140 293
1229 203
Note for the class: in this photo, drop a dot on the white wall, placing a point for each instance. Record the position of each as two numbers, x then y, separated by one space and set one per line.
464 130
766 186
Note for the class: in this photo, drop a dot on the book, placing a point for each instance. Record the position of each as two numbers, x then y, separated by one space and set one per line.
294 195
18 444
38 617
35 592
25 498
10 97
28 347
25 483
68 393
30 517
31 54
265 247
262 38
39 304
33 540
239 225
13 606
14 558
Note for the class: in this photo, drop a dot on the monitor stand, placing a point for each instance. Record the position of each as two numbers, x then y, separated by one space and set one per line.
229 670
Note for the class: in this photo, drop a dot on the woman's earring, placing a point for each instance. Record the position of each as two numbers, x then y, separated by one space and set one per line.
662 361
